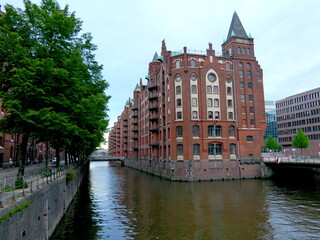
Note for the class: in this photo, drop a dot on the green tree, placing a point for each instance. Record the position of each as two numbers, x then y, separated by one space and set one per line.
300 140
272 143
50 83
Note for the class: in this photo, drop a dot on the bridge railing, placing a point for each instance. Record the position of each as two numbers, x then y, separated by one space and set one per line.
290 159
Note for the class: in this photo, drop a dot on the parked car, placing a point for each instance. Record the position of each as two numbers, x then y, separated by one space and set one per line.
53 160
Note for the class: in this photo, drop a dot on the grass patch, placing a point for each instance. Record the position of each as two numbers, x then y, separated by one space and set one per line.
13 211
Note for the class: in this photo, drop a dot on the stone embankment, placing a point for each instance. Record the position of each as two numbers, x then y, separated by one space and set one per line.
34 210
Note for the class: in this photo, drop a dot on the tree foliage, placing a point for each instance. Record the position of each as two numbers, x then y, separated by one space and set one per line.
50 83
272 143
300 140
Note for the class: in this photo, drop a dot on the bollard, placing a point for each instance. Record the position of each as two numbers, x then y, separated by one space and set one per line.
31 185
13 188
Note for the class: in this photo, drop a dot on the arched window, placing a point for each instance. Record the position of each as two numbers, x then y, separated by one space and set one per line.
249 138
214 131
210 115
194 114
179 115
248 73
180 149
194 89
193 63
209 102
215 149
178 90
196 149
215 89
216 115
216 102
248 65
179 130
231 131
195 130
228 66
209 89
240 64
178 64
241 73
232 149
194 102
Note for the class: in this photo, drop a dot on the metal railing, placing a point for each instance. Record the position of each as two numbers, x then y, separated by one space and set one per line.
12 188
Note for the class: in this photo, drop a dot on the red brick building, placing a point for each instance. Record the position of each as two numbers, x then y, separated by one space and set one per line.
201 115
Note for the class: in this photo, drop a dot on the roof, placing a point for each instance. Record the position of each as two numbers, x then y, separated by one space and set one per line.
236 29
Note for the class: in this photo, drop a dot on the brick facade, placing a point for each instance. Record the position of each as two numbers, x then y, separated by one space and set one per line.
196 107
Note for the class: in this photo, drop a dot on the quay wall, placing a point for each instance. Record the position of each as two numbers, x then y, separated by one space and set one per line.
197 170
47 207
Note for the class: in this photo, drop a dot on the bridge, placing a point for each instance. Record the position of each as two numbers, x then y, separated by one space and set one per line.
300 166
106 158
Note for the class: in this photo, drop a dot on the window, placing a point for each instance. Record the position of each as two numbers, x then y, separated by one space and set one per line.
216 115
210 115
180 149
243 51
241 84
177 64
250 98
211 77
178 78
179 131
216 102
214 131
241 73
194 102
242 98
215 89
194 114
251 110
230 115
231 131
249 85
193 77
228 80
232 149
228 66
215 149
240 64
179 115
229 90
248 51
194 89
249 138
239 50
209 89
248 65
179 102
195 130
251 121
193 63
229 103
248 73
178 90
209 102
258 75
196 149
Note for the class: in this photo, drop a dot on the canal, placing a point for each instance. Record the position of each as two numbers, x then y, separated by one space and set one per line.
121 203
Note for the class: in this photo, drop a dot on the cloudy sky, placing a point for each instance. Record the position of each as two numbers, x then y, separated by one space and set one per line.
286 35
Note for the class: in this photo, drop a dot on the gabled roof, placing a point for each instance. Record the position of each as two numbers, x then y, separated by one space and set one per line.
236 29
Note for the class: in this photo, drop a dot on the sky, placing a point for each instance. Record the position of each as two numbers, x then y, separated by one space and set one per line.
286 35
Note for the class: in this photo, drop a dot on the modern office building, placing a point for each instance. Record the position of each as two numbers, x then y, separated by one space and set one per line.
201 115
300 111
271 119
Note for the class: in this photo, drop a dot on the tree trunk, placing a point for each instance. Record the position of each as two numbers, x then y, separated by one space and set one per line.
22 161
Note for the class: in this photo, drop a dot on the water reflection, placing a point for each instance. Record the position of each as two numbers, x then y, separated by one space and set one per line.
127 204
